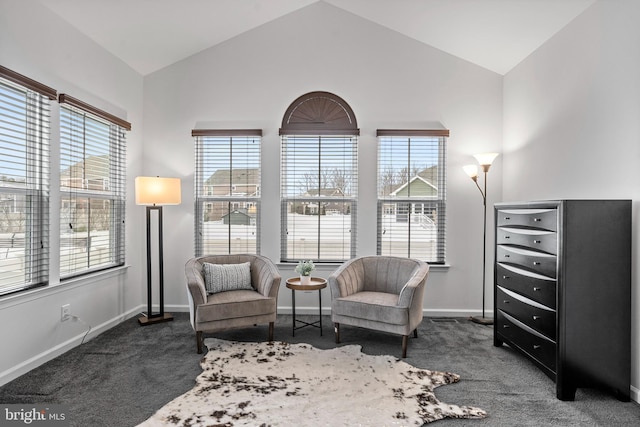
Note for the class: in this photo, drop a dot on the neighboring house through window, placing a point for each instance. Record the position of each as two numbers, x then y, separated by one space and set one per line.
412 194
319 179
92 188
227 191
24 182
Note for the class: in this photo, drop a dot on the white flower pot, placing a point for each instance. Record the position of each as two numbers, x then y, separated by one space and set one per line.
305 280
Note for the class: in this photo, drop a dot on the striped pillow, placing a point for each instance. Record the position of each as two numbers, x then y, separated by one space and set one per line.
227 277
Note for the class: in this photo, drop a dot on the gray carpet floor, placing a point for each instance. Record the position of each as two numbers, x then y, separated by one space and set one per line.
123 376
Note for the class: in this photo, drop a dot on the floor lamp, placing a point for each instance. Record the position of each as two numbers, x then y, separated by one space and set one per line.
485 160
155 192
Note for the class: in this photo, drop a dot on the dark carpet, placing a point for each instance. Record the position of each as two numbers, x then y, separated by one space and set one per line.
123 376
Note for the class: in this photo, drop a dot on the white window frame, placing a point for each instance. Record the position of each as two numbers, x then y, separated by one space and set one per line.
217 150
91 250
25 145
309 195
412 225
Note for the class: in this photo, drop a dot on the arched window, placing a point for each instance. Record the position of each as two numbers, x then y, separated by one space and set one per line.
319 179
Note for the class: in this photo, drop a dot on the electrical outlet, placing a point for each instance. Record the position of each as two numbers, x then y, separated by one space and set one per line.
65 312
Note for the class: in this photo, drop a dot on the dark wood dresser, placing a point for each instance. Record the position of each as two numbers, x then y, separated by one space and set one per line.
562 290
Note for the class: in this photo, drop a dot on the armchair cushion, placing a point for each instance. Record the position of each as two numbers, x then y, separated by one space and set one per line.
373 306
227 277
233 305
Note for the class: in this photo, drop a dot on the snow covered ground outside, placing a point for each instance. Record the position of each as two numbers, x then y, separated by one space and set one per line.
302 242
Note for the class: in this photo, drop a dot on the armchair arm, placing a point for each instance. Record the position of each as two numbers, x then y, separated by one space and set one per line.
268 277
413 291
195 281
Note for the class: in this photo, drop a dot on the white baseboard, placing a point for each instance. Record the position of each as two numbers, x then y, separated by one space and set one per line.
50 354
635 394
174 308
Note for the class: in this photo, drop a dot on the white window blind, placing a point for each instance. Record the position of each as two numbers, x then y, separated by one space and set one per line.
24 182
319 184
92 189
227 191
412 194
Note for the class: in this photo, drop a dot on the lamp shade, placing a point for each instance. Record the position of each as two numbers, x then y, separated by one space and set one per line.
152 190
471 170
485 159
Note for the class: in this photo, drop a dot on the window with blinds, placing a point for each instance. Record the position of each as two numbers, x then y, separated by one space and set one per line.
319 185
227 191
92 189
412 194
24 182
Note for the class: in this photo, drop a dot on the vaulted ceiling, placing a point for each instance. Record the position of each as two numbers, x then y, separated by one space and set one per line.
151 34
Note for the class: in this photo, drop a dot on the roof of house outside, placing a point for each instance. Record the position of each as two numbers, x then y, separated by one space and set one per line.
420 185
95 167
324 192
240 176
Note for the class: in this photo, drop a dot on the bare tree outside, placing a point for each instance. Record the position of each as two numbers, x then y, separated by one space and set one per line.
12 222
329 178
341 180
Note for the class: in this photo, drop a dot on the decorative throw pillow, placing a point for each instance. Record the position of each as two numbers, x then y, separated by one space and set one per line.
227 277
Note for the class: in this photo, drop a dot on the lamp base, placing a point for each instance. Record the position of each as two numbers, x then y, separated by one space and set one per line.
145 320
482 320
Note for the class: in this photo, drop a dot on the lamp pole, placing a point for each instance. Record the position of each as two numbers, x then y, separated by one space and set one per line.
485 161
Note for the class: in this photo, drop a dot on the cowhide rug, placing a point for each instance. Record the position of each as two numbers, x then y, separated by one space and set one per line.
281 384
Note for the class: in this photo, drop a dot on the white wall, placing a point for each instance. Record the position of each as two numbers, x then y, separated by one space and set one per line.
389 80
38 44
572 121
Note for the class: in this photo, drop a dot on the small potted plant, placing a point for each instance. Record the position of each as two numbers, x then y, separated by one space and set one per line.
304 269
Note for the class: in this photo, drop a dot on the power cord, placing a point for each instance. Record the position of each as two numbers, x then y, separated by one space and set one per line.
75 318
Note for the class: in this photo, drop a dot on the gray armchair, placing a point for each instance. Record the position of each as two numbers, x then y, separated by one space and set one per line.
232 308
383 293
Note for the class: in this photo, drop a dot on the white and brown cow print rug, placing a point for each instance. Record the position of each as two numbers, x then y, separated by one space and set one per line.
281 384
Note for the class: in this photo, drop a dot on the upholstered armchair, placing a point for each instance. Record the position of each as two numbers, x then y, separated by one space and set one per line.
383 293
219 300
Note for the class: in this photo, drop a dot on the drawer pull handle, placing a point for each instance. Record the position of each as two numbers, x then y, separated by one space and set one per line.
507 237
536 289
536 241
506 301
536 346
505 326
506 277
507 256
507 218
537 219
536 263
536 317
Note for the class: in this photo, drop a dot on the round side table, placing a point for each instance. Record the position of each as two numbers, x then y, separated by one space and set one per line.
317 284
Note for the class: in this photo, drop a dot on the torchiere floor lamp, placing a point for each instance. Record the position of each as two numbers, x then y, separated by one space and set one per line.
154 192
485 160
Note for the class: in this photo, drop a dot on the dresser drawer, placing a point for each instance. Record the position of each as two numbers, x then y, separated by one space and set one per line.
529 312
533 286
519 335
538 262
544 219
540 240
